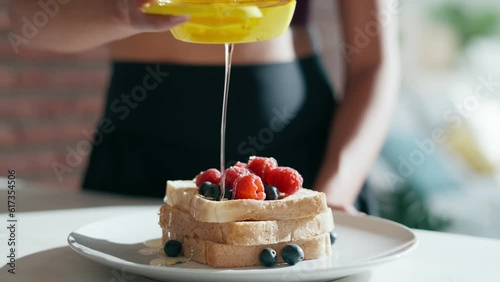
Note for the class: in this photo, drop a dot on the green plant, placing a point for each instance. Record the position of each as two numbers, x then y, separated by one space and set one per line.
409 207
469 24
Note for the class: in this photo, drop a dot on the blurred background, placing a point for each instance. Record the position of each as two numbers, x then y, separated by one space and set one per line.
439 169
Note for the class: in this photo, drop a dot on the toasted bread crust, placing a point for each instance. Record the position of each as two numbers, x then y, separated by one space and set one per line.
223 255
181 224
184 196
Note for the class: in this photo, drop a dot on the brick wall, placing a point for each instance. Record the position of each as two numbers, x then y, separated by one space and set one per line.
47 100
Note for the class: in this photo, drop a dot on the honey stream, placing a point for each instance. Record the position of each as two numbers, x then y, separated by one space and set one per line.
228 58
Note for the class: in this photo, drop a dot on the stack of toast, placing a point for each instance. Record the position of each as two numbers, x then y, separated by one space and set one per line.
232 233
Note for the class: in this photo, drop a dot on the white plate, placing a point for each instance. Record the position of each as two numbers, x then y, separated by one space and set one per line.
362 243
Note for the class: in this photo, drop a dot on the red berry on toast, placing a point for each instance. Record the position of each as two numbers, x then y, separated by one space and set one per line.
240 164
249 186
286 179
232 173
261 166
210 175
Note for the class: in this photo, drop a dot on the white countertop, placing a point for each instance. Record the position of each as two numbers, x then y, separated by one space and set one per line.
46 217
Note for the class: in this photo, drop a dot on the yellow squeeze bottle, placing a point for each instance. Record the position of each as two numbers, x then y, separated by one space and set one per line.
227 21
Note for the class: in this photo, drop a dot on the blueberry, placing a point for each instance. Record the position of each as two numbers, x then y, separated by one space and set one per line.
292 254
272 192
228 194
172 248
333 237
213 191
268 257
204 187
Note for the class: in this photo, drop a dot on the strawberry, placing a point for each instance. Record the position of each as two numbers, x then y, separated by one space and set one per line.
232 173
249 187
286 179
210 175
261 166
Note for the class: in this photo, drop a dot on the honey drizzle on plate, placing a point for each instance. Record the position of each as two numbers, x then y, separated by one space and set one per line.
155 247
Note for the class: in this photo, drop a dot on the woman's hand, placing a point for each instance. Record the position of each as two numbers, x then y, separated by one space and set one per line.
138 22
78 25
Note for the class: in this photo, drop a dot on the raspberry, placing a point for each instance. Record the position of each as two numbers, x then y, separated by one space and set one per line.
261 166
240 164
210 175
232 173
249 187
286 179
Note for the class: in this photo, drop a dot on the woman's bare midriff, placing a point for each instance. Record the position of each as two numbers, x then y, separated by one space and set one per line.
162 47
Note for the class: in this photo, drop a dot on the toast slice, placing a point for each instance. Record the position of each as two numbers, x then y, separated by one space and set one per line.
181 224
229 256
184 195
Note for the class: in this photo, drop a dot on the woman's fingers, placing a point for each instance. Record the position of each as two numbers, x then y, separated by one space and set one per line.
141 22
158 23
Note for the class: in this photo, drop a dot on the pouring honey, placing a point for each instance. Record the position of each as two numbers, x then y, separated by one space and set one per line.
226 22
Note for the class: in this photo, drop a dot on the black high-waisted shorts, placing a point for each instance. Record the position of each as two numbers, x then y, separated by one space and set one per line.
162 121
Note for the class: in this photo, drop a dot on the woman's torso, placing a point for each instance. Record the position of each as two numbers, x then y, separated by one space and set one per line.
163 47
164 104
